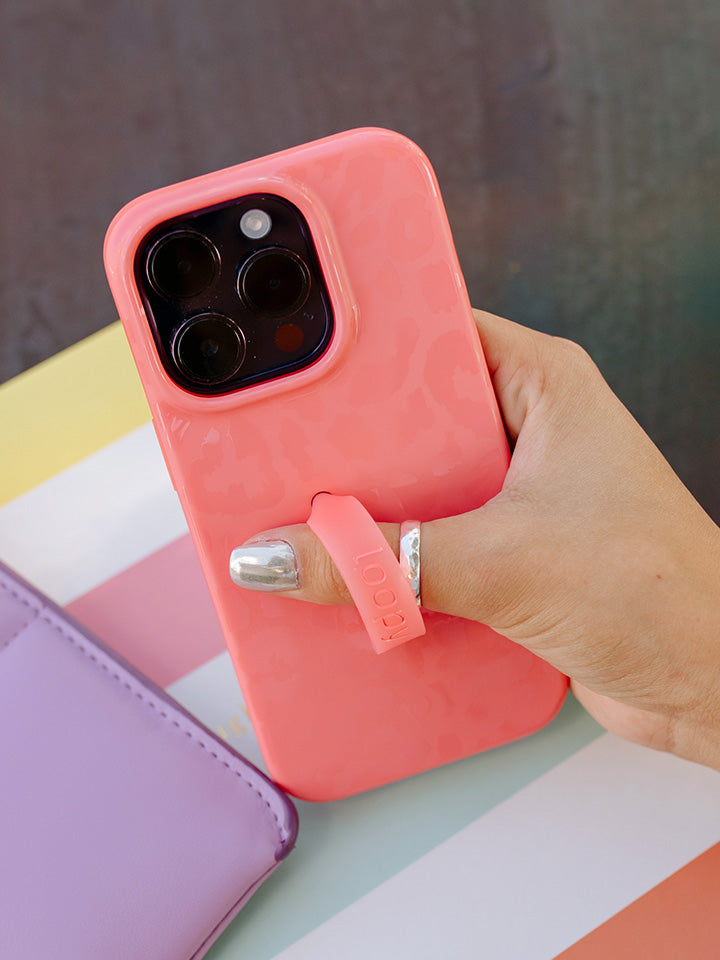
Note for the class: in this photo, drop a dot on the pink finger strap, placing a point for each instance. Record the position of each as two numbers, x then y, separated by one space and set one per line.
380 590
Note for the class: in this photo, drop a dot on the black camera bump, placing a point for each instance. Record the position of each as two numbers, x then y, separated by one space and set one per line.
234 294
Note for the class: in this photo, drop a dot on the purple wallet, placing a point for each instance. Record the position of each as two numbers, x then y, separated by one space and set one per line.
127 829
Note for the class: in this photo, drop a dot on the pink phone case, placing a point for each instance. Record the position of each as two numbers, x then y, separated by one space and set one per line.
399 412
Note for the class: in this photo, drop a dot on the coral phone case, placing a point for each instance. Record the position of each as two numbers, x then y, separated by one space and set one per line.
127 829
399 412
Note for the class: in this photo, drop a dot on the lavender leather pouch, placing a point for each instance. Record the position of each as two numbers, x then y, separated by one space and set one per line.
127 829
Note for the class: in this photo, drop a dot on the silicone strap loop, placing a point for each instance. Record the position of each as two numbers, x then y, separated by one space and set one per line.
370 569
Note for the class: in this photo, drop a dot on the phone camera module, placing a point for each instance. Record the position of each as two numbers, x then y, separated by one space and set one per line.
234 293
182 265
274 282
209 349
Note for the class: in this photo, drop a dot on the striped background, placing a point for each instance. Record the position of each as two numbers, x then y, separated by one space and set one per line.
570 843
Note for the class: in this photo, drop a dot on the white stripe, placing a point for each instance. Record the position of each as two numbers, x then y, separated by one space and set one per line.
98 516
542 869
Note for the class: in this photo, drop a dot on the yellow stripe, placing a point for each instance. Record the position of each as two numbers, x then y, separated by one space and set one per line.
66 408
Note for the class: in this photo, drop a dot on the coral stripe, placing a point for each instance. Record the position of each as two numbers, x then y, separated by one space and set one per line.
678 918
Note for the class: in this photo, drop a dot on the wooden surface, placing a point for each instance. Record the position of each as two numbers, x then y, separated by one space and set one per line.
577 143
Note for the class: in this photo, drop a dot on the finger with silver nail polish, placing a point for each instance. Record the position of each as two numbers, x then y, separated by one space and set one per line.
269 566
317 579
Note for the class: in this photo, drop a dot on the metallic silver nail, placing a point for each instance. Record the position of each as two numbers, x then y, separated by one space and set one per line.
267 565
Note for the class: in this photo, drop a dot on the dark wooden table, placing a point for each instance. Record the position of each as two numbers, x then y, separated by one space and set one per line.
577 143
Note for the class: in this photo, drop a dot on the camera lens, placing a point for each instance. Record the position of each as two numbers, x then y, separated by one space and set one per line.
274 282
182 264
209 348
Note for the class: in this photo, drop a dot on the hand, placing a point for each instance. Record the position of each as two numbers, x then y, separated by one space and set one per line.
594 555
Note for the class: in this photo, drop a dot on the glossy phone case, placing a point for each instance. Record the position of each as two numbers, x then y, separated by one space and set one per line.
399 412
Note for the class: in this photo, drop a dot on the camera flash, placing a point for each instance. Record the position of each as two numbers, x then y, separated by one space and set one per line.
255 224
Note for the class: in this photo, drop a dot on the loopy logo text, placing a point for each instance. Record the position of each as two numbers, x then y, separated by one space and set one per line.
391 619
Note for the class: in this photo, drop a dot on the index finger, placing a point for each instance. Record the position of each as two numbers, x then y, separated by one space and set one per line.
516 359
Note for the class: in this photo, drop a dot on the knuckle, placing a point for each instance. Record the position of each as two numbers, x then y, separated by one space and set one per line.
571 352
572 374
572 358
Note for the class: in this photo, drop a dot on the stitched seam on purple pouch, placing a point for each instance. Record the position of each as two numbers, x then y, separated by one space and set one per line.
25 603
142 694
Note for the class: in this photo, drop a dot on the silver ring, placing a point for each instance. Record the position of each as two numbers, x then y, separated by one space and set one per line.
409 555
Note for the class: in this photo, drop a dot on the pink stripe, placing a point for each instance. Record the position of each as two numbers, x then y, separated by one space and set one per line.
157 614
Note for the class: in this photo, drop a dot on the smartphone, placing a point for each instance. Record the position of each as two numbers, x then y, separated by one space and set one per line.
300 324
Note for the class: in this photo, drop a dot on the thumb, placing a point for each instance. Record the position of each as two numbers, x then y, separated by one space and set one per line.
467 564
